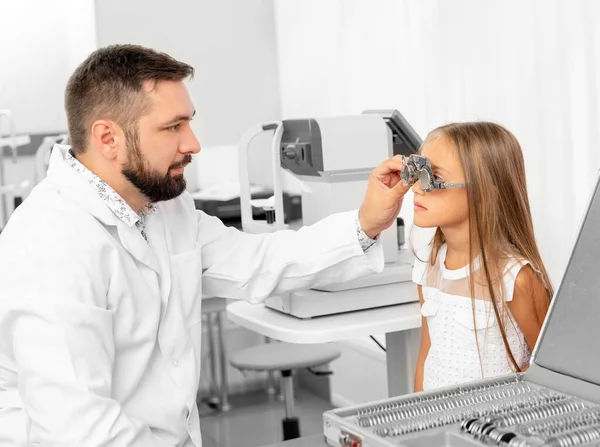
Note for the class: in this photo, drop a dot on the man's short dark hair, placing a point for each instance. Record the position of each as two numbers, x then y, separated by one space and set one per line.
109 85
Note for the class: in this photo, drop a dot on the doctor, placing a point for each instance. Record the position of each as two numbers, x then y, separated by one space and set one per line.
103 266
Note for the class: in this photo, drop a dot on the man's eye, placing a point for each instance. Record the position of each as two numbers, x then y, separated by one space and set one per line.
174 128
437 178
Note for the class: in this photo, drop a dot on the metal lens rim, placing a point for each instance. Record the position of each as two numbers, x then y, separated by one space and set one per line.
425 180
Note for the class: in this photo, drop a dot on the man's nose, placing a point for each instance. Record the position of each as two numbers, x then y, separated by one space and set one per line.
190 145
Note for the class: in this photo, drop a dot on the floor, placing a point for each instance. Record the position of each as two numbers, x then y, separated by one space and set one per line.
255 420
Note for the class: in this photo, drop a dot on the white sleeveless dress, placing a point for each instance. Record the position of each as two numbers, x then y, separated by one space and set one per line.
453 356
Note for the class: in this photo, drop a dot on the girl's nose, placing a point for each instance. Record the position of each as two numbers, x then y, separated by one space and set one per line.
416 188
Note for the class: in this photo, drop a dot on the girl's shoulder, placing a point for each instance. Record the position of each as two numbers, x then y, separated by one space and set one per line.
512 266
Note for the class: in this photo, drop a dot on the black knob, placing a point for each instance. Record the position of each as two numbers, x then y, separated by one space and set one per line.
290 152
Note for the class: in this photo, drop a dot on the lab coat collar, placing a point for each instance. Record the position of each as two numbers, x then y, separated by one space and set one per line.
77 189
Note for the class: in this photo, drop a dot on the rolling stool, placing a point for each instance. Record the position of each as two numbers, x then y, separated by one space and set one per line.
285 357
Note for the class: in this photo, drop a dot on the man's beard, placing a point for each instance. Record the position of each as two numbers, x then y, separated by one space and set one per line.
155 186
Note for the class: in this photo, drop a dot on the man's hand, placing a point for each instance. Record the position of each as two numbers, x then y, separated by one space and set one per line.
383 199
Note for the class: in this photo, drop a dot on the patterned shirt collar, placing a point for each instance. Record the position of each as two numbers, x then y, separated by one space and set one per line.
111 198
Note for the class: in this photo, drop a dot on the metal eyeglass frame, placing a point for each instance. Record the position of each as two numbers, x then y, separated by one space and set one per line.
418 168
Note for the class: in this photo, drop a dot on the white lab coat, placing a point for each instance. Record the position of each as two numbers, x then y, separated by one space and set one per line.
100 330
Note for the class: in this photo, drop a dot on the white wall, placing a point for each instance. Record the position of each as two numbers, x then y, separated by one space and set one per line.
231 45
41 43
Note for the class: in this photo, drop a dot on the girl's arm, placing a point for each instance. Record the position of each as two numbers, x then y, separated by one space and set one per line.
424 350
529 304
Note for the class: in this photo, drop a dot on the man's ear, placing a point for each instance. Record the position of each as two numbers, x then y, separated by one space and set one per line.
106 138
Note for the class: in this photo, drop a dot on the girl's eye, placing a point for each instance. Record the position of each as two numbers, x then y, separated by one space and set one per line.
437 178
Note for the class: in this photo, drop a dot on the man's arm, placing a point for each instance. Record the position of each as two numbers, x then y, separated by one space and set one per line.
255 266
56 332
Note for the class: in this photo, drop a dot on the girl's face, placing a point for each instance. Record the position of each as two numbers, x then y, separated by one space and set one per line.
446 207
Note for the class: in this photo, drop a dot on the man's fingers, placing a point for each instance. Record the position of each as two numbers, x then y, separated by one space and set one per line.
395 164
400 189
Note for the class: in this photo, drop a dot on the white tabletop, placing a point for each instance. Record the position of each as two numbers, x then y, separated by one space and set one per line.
279 326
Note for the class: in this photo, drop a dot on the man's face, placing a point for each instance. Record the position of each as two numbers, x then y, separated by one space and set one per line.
163 143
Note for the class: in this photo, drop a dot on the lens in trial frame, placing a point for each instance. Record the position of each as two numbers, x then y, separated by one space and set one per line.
425 180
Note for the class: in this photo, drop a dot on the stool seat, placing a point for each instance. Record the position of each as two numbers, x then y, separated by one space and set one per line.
279 356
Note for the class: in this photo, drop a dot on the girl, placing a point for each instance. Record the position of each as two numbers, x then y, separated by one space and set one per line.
483 287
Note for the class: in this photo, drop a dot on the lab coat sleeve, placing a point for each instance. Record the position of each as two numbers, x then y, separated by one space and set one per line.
56 329
255 266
